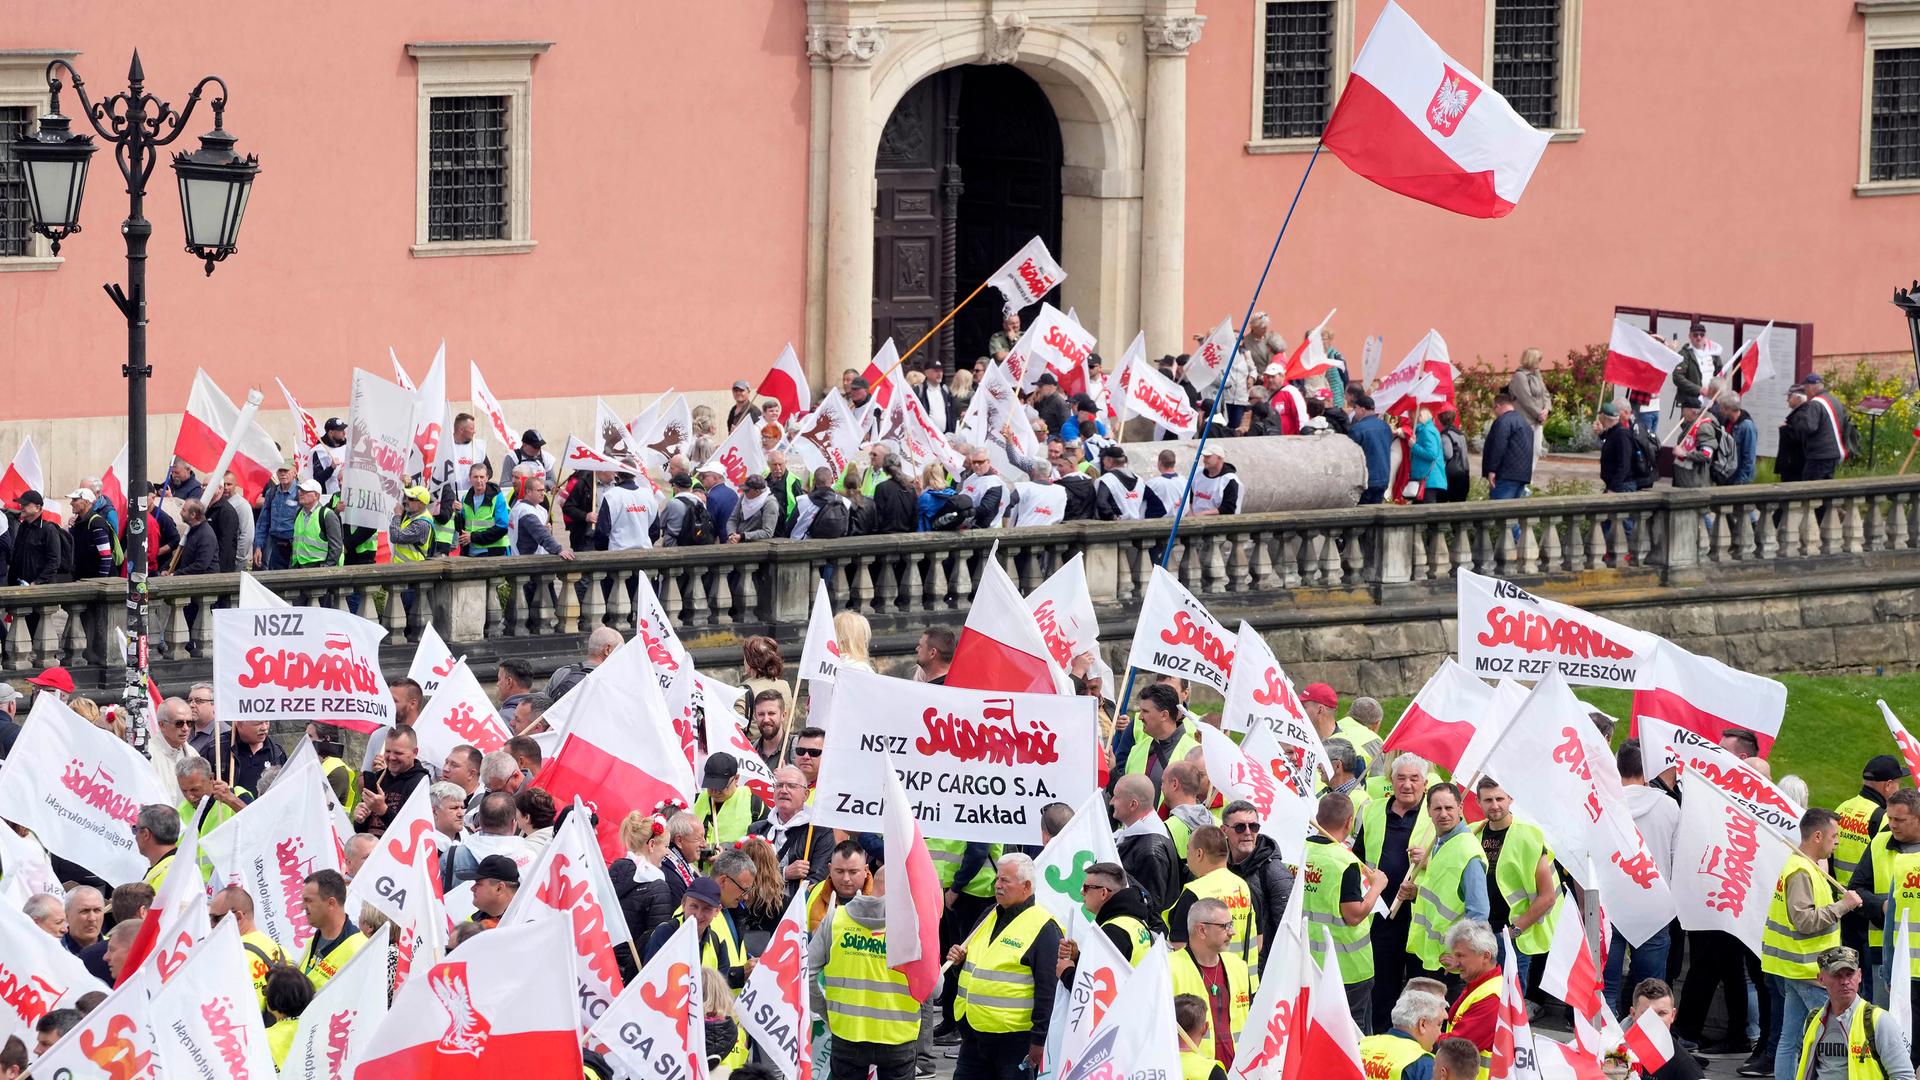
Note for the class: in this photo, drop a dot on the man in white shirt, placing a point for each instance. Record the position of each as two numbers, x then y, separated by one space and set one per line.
985 488
625 516
1039 501
456 464
175 724
1657 816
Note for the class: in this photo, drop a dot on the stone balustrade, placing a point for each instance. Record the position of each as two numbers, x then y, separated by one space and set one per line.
1321 572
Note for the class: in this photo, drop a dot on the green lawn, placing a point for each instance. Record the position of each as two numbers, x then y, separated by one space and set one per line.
1832 725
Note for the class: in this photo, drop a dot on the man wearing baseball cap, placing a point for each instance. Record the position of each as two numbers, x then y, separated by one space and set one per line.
743 407
1322 706
412 530
702 903
329 456
42 551
724 807
494 886
96 544
529 453
1850 1036
55 680
1863 816
317 537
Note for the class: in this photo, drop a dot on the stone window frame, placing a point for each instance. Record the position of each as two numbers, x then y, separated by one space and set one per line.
1566 126
1344 47
1889 24
477 68
23 84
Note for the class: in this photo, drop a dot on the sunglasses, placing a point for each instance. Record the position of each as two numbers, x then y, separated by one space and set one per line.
179 723
1245 826
804 751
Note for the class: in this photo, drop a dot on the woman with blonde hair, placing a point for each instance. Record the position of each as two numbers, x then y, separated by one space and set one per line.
645 899
855 636
1530 396
726 1039
766 902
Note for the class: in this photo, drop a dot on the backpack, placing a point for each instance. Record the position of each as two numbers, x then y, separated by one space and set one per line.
565 679
955 514
831 521
1849 433
696 528
1453 449
1726 457
1646 452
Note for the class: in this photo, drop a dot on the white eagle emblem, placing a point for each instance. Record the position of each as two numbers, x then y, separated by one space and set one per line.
467 1030
1451 101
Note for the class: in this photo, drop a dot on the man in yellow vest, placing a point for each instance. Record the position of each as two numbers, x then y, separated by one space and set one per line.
874 1020
1007 981
705 902
1448 883
1341 893
1196 1053
262 952
1523 886
726 808
1863 816
1214 880
1349 775
1393 831
317 539
1848 1035
1208 969
966 889
1404 1050
1475 956
1803 922
1877 878
156 833
1118 911
411 534
335 939
1322 706
1184 792
1167 737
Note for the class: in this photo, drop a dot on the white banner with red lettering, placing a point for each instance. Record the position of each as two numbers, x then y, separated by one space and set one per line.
1209 361
1560 773
741 456
459 712
579 457
1507 631
829 436
1056 345
1063 609
1100 971
379 441
1176 635
1247 772
1145 392
1137 1036
25 870
300 666
37 974
113 1042
337 1024
773 1005
79 789
979 764
1702 761
1413 377
270 847
1028 276
723 732
1259 695
655 1028
1725 864
569 880
388 878
206 1020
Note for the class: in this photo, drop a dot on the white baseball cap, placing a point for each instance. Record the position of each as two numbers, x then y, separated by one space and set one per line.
311 484
81 493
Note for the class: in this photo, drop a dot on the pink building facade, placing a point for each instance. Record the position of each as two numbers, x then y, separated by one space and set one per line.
612 200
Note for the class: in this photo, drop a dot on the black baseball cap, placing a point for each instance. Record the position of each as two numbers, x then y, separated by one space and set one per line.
334 423
33 497
860 383
532 438
1083 403
1882 767
1048 380
722 767
498 868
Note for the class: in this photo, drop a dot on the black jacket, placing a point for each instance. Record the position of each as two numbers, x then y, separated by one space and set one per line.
199 552
894 510
811 842
225 520
1127 901
1269 882
1508 454
946 396
397 786
1616 458
1054 410
42 553
1104 506
1814 429
645 904
581 500
1081 496
1150 862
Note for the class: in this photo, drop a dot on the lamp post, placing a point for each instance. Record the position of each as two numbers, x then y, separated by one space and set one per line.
1908 301
214 184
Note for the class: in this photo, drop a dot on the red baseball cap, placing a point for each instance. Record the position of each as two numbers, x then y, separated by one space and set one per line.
1320 694
54 678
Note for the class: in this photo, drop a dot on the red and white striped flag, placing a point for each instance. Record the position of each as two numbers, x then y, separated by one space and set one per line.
1000 647
23 475
1637 360
1310 356
1753 361
913 893
1572 975
1707 697
210 420
306 432
1415 120
1650 1042
786 383
1909 749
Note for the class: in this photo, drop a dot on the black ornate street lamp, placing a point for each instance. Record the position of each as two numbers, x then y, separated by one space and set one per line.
1908 301
214 183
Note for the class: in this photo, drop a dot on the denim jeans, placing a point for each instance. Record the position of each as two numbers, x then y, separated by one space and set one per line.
1508 489
1649 962
1800 998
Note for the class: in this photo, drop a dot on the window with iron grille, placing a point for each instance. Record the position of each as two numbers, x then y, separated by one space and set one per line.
467 185
16 228
1894 152
1297 68
1526 57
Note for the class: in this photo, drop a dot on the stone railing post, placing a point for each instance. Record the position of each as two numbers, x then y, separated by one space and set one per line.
1392 562
1680 525
794 582
1102 555
464 602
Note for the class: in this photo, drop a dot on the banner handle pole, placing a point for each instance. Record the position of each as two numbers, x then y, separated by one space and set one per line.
1193 469
936 329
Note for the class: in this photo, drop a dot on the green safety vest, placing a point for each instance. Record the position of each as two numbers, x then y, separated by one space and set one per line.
445 533
1437 903
475 518
1784 951
1137 757
1352 945
996 987
1519 857
1241 984
1385 1057
867 1001
1139 938
1903 896
412 552
1365 741
1373 830
729 824
946 862
1227 887
331 765
1855 814
320 970
1863 1060
309 540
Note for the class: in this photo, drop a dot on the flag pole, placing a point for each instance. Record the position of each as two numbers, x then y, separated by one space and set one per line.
1240 335
936 329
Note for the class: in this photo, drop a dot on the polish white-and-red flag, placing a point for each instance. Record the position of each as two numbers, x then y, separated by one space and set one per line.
1637 360
618 750
1650 1042
913 893
113 484
1415 120
306 432
1310 356
786 383
1753 362
883 373
23 474
209 421
1707 697
568 884
1424 376
1028 276
489 407
177 922
1441 720
1909 748
502 1005
1001 647
1331 1049
1572 975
